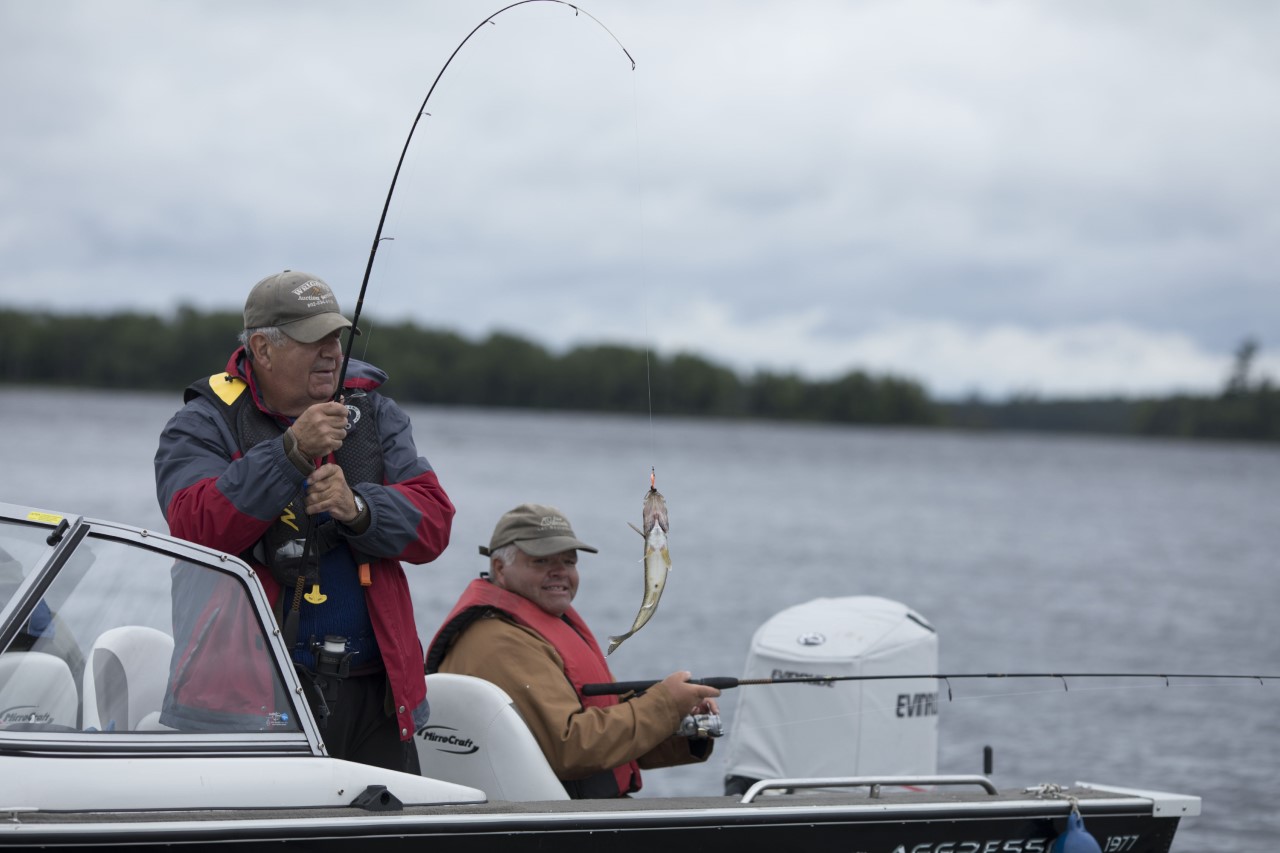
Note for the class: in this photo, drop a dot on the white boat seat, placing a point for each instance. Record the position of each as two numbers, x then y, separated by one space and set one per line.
36 687
476 737
125 677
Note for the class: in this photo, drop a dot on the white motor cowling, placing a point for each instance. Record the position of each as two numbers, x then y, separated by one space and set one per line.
883 727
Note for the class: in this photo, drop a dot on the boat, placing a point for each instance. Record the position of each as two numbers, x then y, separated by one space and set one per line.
99 750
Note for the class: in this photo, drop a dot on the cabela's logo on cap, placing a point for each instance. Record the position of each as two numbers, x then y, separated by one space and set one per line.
553 522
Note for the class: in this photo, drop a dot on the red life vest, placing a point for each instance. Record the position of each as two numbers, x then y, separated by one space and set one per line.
583 661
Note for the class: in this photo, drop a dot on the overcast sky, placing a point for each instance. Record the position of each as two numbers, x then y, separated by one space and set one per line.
1064 198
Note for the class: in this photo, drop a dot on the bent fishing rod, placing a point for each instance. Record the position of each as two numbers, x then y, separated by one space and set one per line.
729 682
422 111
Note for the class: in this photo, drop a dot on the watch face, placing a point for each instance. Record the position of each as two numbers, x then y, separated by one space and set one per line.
359 504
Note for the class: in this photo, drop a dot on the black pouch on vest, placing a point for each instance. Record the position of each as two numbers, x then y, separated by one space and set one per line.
287 558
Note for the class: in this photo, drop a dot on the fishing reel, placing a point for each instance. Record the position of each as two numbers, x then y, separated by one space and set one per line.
701 726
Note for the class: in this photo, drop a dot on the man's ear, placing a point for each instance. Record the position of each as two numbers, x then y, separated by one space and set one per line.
495 572
260 349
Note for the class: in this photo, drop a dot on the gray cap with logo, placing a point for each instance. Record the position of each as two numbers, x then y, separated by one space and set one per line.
536 529
298 303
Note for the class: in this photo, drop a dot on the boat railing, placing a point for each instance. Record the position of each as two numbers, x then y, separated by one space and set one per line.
873 782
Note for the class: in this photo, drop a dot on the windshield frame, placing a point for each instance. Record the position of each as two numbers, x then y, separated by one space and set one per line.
66 535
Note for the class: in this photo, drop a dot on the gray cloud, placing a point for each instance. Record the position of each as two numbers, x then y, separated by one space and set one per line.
985 195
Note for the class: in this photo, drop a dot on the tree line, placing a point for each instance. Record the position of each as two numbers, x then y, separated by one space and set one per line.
148 352
1247 408
151 352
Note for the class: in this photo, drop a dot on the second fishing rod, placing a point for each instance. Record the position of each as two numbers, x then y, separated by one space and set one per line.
730 682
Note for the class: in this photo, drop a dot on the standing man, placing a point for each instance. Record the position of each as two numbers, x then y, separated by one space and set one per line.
515 626
323 498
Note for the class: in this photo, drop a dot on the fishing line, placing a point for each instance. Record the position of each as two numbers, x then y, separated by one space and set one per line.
422 111
644 269
367 334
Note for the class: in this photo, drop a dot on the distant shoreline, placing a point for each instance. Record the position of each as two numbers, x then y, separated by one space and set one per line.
147 352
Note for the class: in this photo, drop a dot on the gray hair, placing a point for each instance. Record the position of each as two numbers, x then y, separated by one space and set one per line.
507 554
274 336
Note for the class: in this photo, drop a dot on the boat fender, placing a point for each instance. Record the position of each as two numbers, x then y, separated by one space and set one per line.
1075 839
376 798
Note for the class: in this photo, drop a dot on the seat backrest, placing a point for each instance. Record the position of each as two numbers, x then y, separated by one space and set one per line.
36 687
125 677
476 737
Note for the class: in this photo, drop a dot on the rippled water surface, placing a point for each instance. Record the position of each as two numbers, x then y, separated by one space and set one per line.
1026 552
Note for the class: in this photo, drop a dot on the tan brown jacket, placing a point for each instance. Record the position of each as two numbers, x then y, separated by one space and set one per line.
577 741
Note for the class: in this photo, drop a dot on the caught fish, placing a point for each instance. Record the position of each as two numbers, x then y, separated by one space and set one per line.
657 560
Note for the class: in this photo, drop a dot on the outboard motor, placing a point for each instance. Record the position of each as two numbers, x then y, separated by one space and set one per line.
843 728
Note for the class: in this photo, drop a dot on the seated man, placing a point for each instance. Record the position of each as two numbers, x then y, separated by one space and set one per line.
515 626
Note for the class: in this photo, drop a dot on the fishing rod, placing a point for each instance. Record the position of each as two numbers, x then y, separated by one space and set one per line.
728 682
422 110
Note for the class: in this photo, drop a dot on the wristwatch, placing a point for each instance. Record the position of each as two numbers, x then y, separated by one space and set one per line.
361 506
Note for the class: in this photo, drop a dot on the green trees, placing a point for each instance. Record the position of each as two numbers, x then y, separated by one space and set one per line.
123 350
140 351
127 350
1246 408
855 398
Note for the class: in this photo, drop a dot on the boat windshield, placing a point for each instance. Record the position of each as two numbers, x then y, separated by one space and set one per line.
126 637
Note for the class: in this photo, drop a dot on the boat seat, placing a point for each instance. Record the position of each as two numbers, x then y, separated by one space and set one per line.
476 737
37 688
125 677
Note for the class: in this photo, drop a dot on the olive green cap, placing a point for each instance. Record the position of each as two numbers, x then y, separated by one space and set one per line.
297 303
536 529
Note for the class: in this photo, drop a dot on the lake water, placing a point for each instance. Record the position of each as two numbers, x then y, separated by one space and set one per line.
1026 552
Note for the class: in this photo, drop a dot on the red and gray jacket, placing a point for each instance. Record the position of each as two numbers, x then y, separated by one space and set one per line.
218 495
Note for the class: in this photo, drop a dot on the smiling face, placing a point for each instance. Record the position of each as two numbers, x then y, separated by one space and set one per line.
294 376
550 582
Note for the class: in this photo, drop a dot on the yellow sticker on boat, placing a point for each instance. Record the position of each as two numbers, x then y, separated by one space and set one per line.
46 517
